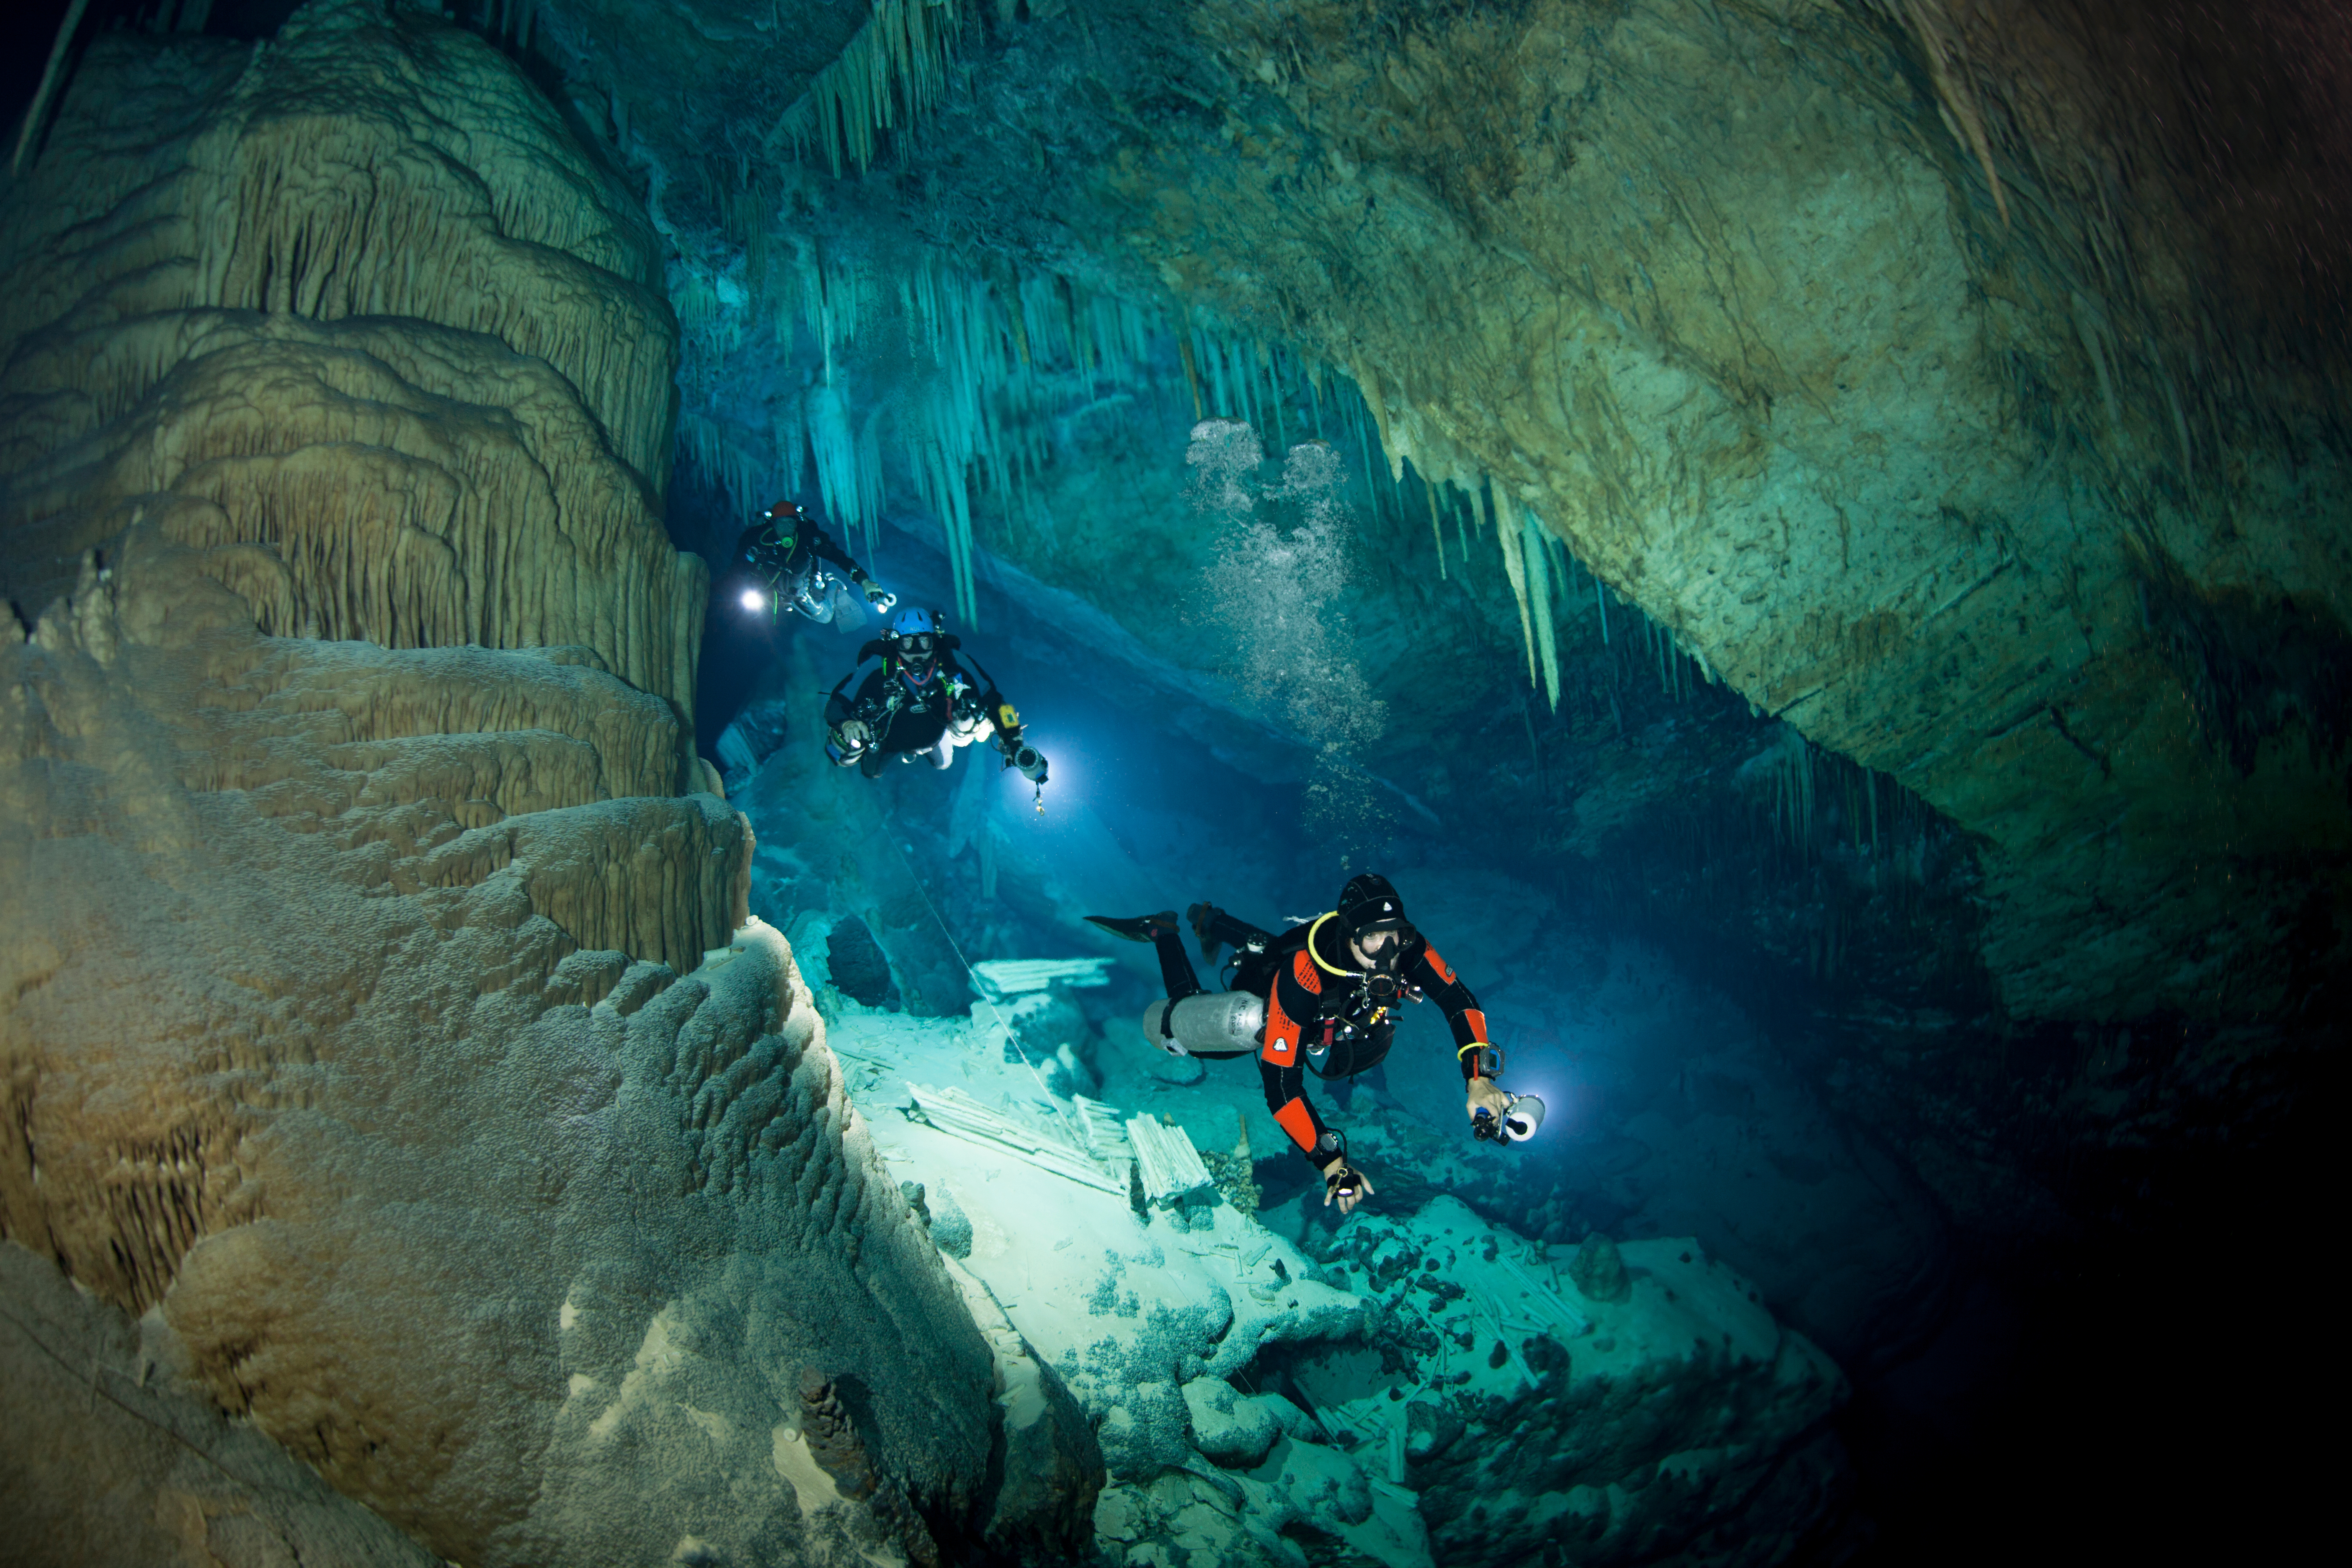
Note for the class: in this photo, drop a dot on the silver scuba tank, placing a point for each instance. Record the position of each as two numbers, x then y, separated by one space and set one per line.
1211 1021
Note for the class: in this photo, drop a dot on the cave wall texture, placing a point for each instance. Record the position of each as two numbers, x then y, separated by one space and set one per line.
238 275
383 1027
1912 460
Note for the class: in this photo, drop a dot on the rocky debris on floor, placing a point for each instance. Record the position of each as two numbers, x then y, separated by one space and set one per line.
1408 1388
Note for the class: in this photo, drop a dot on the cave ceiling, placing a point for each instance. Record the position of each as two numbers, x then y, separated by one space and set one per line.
1943 380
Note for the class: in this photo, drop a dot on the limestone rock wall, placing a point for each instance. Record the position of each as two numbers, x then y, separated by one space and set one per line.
354 300
1904 391
179 1482
441 1103
381 1024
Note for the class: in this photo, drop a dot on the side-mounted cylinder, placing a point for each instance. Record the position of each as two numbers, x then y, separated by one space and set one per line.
1211 1021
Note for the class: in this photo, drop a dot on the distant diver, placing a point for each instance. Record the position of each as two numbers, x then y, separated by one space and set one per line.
783 559
916 700
1322 995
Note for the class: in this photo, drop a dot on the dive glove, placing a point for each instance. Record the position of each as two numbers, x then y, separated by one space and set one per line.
1347 1186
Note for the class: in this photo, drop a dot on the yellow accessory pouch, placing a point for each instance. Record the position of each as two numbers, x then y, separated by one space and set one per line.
1006 719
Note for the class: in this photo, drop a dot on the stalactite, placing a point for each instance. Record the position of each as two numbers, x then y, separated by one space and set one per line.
39 110
1508 534
1436 531
888 75
825 424
1538 561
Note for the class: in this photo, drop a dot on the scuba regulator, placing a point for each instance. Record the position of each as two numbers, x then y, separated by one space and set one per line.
1522 1113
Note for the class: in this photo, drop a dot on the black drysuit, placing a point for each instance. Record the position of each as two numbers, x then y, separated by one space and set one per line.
787 563
906 709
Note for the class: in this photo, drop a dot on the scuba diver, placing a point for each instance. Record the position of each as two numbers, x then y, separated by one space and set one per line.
1323 995
786 555
917 699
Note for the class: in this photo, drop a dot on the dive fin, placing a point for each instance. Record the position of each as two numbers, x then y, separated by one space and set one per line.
1136 928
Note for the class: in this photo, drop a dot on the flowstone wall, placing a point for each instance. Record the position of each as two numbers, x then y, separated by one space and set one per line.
351 309
381 1027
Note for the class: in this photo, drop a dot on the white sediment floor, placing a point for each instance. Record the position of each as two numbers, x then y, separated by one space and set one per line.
1431 1374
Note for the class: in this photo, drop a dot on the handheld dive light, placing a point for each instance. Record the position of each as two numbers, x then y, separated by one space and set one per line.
754 601
1027 759
1031 763
1522 1114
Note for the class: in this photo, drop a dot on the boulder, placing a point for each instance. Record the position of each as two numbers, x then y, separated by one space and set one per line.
1237 1429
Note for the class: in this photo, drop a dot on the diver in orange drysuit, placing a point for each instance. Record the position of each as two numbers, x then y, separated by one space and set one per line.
1332 987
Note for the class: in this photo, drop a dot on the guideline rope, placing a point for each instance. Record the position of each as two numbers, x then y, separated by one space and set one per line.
1077 1139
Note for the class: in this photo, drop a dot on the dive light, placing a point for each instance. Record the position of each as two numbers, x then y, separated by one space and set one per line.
754 601
1522 1114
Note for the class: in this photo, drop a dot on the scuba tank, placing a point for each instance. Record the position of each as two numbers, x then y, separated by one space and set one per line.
1206 1023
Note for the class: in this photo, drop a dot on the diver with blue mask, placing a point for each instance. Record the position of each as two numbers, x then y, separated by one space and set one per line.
1322 997
914 698
782 561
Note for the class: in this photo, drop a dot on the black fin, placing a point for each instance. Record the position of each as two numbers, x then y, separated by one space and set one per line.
1136 928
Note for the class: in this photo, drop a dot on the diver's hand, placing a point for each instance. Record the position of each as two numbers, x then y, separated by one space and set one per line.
854 733
1488 1096
877 595
1346 1185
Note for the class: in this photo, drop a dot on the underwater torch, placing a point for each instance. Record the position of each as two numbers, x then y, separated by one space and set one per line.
754 601
1522 1113
1030 762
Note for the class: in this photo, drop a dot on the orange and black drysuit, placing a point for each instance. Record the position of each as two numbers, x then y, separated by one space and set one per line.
1323 1014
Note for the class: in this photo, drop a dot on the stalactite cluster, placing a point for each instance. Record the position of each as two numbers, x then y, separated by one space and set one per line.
1002 359
893 70
287 306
